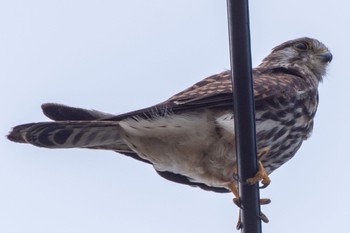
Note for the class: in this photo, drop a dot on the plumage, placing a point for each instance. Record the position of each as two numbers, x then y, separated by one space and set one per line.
189 138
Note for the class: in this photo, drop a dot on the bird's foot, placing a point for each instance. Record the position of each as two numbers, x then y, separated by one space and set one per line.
239 224
237 202
261 216
261 175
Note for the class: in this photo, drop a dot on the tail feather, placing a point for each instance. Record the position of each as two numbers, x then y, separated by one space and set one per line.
60 112
16 134
71 134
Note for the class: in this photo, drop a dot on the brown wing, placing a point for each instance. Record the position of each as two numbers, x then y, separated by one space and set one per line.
212 92
212 86
216 90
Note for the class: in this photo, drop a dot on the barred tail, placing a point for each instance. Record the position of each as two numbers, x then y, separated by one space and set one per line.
71 134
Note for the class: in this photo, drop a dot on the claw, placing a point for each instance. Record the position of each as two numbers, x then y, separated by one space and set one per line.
263 218
239 224
261 175
265 201
264 186
237 202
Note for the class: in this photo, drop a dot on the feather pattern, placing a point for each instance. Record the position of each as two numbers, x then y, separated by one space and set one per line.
189 138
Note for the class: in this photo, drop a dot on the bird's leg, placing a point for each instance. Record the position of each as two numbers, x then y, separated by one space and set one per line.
237 201
261 174
234 190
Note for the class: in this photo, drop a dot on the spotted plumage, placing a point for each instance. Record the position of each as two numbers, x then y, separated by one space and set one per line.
189 138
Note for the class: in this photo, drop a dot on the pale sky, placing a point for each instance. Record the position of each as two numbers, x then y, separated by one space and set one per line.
118 56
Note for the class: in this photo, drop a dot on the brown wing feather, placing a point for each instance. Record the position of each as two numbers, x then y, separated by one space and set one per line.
216 91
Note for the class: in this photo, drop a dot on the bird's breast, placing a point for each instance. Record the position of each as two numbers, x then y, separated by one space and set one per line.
282 127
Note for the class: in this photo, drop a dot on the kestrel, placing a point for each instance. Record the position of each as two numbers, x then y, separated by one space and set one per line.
189 138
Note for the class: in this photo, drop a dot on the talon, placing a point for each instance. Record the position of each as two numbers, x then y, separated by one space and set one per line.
264 186
239 224
265 201
237 202
263 218
260 176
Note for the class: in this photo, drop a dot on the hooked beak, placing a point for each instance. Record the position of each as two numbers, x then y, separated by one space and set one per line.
326 56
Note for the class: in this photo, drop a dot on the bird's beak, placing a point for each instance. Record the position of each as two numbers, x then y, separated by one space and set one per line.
326 56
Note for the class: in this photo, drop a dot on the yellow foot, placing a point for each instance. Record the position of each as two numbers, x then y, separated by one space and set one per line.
261 174
239 224
237 201
234 190
265 201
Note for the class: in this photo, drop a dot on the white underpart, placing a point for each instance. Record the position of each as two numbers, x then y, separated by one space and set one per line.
268 125
185 144
226 122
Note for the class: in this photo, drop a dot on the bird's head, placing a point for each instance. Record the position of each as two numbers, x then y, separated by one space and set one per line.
303 54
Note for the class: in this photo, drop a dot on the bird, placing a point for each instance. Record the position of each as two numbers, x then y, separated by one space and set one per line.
189 138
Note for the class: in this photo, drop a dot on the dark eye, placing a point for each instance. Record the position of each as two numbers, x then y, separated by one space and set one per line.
302 46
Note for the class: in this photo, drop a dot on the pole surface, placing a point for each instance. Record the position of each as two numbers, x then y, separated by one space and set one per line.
244 112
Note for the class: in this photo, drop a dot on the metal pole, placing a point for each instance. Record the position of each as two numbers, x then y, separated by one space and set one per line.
244 112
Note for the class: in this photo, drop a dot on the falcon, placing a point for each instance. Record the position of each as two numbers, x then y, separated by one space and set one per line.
189 138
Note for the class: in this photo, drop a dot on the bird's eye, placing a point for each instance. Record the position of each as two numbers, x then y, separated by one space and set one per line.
302 46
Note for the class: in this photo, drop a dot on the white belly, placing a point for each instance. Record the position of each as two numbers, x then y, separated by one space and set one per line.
199 145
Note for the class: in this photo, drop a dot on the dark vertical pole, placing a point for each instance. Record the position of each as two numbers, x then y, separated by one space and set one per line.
241 69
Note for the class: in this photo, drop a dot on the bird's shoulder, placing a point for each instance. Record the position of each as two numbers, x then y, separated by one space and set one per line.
267 83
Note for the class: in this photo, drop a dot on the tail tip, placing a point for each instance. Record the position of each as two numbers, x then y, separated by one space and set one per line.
17 132
14 136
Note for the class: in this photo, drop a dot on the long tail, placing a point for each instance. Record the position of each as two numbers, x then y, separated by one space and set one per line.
71 134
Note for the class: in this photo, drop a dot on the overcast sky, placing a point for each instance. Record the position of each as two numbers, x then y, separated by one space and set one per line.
118 56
